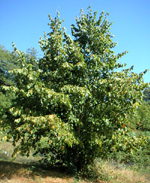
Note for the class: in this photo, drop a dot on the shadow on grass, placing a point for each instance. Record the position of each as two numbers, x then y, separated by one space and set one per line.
28 167
8 170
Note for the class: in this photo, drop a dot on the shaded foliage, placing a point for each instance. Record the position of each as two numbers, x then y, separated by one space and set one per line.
147 95
7 62
140 119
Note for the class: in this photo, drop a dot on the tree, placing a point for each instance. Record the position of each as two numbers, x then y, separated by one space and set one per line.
73 108
32 52
7 62
147 95
31 55
140 119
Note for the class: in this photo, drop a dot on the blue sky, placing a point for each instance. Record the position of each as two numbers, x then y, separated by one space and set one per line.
24 21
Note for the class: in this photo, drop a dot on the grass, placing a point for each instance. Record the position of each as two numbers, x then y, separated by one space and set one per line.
26 170
121 173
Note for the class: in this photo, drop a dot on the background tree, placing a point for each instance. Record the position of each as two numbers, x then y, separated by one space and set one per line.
140 119
32 57
147 95
73 108
8 61
32 52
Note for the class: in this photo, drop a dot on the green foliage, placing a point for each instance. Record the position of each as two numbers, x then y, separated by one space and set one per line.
31 56
7 62
140 119
147 95
137 158
73 107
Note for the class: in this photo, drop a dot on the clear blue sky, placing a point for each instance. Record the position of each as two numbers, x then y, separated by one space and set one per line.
24 21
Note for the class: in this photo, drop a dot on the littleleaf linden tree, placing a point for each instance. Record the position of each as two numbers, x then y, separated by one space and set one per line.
73 107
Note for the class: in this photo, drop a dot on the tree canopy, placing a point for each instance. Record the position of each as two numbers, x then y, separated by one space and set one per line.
73 108
8 61
147 95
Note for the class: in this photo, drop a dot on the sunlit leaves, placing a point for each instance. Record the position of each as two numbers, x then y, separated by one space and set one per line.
74 107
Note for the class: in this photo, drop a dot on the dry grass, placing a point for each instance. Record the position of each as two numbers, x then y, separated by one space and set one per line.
20 171
119 173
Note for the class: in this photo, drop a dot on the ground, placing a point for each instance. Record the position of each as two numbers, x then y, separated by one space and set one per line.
25 170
